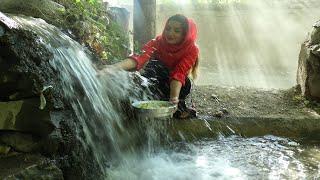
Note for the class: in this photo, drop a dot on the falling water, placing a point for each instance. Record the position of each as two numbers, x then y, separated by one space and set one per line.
234 157
97 99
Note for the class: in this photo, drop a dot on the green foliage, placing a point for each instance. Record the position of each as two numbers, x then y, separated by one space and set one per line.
298 98
88 20
117 43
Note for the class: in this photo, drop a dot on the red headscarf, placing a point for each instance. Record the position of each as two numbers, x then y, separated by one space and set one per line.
178 58
178 50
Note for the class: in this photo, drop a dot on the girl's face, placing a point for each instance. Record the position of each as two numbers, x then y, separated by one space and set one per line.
173 32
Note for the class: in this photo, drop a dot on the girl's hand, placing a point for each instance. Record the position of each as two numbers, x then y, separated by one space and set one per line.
174 100
107 69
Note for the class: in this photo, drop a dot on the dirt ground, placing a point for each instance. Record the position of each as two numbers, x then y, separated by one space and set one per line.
219 102
249 112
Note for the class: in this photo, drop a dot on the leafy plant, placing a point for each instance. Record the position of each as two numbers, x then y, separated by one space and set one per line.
90 24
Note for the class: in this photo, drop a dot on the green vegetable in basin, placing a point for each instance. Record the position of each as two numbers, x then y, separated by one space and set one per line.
154 108
154 105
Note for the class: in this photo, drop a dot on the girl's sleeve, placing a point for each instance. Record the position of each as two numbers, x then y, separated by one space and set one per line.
147 51
181 70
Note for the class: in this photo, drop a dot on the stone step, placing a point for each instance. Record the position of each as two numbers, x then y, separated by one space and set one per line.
247 127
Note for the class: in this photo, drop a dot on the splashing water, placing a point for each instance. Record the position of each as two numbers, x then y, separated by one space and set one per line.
97 101
234 157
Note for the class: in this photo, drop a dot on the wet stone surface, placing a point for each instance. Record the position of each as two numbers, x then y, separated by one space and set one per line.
28 166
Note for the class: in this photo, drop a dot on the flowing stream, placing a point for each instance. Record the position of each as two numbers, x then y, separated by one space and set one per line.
233 157
98 100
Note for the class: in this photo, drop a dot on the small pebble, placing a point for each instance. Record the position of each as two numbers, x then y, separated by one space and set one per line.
213 96
218 114
224 110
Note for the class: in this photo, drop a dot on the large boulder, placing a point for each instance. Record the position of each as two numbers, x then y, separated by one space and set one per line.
28 166
26 115
44 9
308 74
25 69
30 97
35 117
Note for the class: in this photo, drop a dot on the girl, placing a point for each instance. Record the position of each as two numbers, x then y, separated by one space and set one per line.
173 55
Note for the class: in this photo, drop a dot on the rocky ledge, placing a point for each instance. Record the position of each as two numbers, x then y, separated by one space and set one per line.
249 112
28 166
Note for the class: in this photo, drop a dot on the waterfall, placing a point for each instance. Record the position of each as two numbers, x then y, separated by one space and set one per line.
107 133
96 100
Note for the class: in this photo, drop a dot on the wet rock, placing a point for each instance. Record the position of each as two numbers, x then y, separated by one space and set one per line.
308 74
25 68
2 31
26 128
26 116
7 22
218 114
28 166
38 118
315 49
27 143
44 9
224 110
4 149
314 37
317 24
21 142
214 96
61 142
